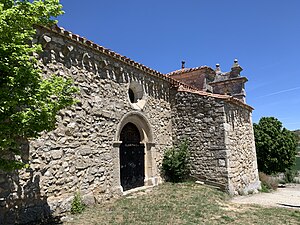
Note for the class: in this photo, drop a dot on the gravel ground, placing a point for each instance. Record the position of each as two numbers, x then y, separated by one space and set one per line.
288 196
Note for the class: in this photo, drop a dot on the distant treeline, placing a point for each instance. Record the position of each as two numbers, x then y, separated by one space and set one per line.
297 133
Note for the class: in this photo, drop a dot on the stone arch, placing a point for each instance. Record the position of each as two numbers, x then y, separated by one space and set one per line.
146 137
141 122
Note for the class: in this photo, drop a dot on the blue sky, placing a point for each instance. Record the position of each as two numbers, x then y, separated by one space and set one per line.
263 34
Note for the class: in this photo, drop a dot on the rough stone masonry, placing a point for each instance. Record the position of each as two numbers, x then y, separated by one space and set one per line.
126 106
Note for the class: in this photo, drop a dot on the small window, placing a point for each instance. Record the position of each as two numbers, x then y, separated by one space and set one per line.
136 95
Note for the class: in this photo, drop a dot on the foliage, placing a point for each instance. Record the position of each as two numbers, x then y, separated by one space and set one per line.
175 163
275 146
289 175
77 205
268 183
29 102
297 166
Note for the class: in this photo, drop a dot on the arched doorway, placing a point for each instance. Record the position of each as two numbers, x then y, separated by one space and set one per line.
132 160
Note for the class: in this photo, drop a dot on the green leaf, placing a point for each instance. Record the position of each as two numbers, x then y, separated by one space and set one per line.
28 101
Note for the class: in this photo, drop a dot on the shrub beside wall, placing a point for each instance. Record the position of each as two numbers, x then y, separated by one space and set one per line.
175 164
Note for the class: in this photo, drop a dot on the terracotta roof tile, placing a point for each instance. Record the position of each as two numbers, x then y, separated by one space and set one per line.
187 70
226 98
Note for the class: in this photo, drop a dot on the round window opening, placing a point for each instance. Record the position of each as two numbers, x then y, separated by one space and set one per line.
136 95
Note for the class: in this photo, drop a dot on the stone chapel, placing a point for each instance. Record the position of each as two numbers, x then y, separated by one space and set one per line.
113 140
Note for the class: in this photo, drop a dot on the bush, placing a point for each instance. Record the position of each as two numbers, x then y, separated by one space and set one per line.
267 183
77 205
289 175
175 163
275 146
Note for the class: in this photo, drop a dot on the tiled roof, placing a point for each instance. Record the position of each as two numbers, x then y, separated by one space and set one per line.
187 70
226 98
181 86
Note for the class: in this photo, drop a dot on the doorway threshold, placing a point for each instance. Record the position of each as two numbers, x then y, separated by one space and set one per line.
134 190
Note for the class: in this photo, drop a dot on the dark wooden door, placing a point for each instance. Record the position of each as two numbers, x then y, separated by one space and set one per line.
132 162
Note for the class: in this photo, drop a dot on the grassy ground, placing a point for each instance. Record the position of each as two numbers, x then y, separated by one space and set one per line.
184 203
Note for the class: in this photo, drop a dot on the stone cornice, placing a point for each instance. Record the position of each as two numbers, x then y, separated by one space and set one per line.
180 86
83 41
228 81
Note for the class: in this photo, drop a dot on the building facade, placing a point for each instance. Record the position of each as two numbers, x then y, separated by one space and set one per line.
127 115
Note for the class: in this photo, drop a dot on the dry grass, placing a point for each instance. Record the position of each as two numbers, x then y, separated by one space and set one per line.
184 203
268 183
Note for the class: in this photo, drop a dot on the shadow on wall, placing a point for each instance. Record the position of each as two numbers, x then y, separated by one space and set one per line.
20 198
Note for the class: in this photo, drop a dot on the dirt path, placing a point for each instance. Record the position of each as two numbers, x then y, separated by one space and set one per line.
283 197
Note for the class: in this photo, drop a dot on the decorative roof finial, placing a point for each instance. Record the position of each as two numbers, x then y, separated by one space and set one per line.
235 64
235 69
182 64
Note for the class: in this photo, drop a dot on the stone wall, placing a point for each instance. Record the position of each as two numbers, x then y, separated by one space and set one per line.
221 140
200 119
242 163
233 86
81 154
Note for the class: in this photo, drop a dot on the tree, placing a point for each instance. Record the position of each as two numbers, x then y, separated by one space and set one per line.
275 146
29 102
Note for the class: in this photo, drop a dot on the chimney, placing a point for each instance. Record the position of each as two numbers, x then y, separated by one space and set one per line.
182 64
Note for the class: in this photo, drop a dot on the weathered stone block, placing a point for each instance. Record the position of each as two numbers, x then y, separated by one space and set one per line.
222 162
56 154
